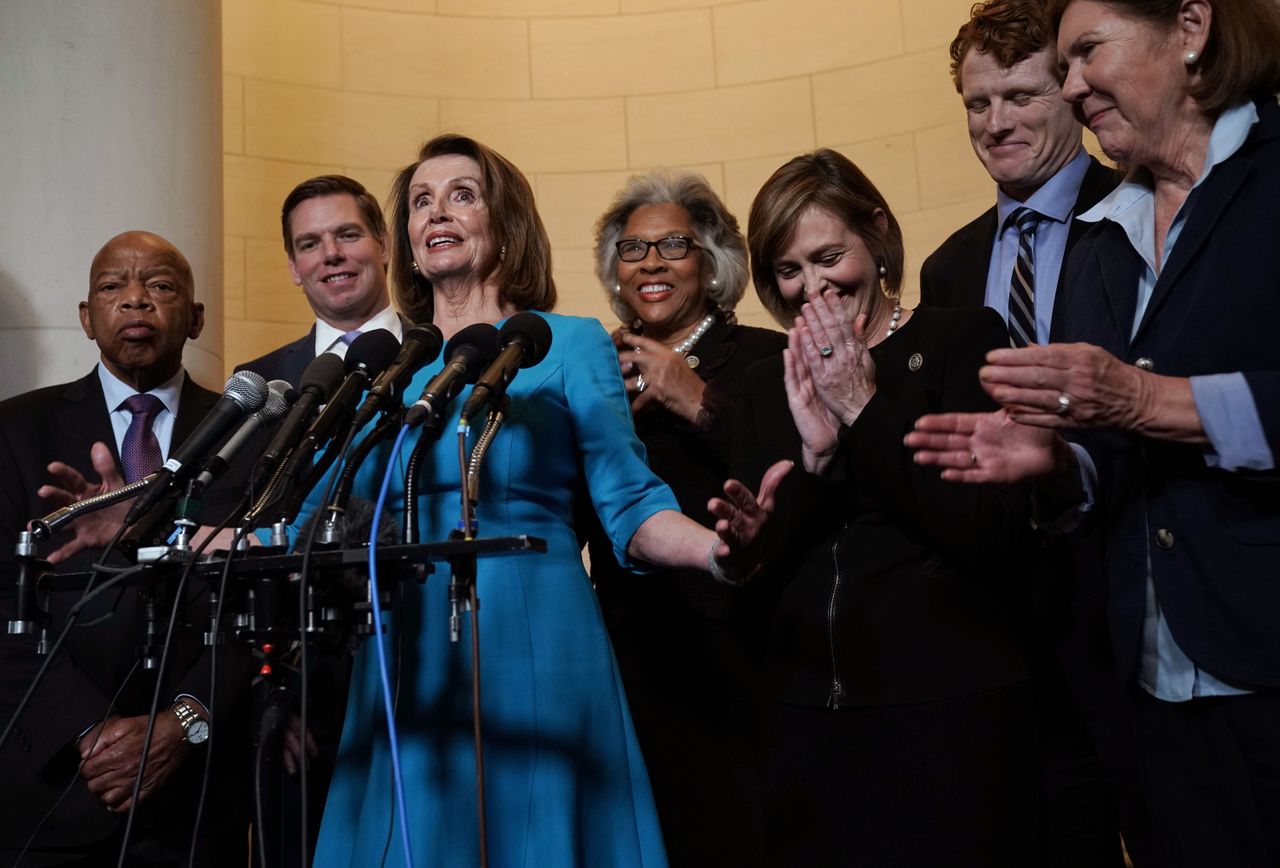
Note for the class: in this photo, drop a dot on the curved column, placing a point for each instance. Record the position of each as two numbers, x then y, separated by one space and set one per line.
112 121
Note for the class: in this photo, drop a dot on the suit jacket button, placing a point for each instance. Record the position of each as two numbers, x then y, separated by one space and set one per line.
1164 538
1145 364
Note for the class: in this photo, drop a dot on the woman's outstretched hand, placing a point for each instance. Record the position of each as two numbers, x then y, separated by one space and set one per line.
985 447
740 519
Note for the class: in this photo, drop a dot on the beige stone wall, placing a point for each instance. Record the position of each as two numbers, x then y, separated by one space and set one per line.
580 94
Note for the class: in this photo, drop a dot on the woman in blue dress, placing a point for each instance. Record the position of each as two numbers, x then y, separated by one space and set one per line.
564 779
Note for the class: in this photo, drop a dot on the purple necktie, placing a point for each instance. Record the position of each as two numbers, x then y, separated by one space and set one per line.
140 452
350 336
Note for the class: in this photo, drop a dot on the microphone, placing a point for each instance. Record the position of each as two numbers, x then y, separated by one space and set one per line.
318 382
279 396
421 345
468 353
368 356
245 392
525 339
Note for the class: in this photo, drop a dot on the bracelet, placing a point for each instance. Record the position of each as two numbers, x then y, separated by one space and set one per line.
718 573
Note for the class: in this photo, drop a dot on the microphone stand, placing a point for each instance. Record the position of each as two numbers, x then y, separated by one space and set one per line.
462 592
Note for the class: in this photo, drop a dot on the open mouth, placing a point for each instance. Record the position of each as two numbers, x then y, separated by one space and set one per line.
655 292
335 278
437 241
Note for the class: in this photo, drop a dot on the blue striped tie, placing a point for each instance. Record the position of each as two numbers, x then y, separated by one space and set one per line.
1022 287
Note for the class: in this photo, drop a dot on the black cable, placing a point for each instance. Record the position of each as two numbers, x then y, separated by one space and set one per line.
302 657
75 776
178 604
213 682
72 616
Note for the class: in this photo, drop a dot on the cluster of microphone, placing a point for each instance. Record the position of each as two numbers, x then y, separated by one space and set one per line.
326 409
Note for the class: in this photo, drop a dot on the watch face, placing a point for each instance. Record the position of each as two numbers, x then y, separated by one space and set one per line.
198 731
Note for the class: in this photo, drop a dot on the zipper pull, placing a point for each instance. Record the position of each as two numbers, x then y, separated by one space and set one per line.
836 694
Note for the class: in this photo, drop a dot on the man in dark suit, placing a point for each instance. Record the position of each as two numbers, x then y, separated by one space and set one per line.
83 729
1003 62
1004 67
335 236
336 240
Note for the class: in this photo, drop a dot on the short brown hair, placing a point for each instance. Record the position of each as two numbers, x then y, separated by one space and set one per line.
829 180
332 185
1008 30
524 273
1241 57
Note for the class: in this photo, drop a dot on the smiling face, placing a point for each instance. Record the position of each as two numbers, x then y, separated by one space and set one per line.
666 294
824 254
449 228
337 260
1126 79
1019 125
141 308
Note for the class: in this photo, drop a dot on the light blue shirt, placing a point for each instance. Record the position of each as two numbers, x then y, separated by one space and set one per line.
1055 202
1225 404
116 392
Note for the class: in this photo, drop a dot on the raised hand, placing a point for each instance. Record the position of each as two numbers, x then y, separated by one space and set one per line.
845 377
69 486
741 517
986 447
666 377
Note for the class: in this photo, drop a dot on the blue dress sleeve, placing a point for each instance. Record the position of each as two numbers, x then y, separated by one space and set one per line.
623 490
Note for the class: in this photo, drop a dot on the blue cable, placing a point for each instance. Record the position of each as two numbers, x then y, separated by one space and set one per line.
382 654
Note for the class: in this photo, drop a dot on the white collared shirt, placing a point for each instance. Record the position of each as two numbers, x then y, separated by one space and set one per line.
329 339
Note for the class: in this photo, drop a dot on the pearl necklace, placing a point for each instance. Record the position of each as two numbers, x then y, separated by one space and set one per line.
682 348
893 319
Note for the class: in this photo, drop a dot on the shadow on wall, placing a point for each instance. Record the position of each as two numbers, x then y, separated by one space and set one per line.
36 356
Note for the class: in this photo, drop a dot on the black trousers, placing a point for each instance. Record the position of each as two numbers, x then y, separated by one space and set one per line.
946 784
1211 769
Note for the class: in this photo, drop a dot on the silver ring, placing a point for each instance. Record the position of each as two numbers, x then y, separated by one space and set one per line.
973 459
826 350
1064 404
640 384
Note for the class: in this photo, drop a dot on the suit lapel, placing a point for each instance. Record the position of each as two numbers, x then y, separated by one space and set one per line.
969 279
84 409
1119 266
1207 204
194 404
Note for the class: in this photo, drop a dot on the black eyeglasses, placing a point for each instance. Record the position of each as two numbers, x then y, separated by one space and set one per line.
671 247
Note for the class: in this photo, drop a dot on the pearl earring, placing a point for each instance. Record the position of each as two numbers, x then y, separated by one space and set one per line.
714 283
1190 58
883 270
502 253
617 289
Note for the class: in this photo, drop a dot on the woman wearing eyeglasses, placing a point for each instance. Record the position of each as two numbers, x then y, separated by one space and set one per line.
674 265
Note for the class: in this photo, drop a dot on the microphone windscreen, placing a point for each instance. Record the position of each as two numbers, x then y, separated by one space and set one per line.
374 350
430 339
247 389
480 342
324 373
280 396
534 331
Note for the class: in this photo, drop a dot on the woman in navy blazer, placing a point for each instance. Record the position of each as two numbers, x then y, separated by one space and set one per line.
1173 393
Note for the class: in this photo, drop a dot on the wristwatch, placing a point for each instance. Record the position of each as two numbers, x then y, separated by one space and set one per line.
195 729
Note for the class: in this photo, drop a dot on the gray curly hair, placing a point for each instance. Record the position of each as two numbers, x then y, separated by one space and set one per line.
724 264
